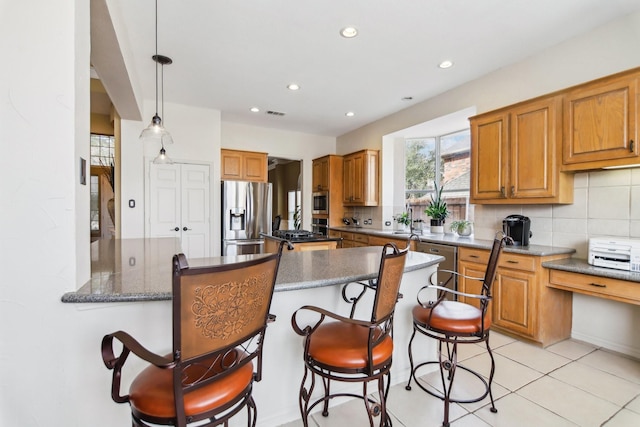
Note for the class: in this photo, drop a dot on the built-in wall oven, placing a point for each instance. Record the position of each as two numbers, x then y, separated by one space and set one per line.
321 203
320 226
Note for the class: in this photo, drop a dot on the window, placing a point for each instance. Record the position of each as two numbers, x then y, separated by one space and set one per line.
101 185
102 150
443 160
293 208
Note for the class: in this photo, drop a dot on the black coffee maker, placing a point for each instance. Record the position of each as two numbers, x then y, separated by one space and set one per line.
518 227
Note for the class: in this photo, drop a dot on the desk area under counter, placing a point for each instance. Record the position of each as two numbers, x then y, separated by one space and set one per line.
577 275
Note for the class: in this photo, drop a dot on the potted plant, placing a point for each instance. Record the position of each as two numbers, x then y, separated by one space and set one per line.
404 219
462 227
437 210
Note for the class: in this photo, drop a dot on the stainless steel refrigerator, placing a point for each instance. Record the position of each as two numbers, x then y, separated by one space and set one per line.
246 212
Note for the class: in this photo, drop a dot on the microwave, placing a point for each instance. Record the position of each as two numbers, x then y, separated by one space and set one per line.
321 203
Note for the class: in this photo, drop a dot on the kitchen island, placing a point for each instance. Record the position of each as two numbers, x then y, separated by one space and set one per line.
140 270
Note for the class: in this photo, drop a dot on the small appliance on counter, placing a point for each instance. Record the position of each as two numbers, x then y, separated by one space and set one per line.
615 252
518 227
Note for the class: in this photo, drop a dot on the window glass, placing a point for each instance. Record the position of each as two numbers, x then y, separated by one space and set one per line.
443 160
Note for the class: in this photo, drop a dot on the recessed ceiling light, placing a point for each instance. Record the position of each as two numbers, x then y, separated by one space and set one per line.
350 114
349 32
293 86
446 64
255 110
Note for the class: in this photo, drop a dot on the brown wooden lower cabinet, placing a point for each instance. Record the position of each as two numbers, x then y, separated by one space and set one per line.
355 239
522 304
271 246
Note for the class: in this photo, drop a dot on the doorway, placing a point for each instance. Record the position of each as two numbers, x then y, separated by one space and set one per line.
179 206
285 178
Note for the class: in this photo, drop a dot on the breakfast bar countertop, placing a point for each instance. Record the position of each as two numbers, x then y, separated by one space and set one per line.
125 270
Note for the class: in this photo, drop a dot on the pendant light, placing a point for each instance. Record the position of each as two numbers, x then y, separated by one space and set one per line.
162 158
156 131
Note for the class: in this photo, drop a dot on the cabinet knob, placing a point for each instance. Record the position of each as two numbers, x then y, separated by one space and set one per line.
513 190
631 146
185 229
502 191
176 229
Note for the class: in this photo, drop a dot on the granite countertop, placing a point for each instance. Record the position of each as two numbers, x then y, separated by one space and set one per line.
140 269
576 265
455 240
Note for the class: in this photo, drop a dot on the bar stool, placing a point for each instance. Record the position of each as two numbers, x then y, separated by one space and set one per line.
353 350
453 323
220 315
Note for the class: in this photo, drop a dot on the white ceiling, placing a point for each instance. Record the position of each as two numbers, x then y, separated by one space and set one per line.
233 55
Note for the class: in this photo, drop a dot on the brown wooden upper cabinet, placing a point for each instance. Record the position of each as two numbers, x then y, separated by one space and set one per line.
360 179
515 155
601 124
321 177
243 165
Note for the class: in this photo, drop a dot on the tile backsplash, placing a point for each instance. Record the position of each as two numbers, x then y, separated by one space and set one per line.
606 203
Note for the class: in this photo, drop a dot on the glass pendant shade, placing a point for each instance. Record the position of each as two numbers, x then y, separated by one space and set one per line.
162 158
156 132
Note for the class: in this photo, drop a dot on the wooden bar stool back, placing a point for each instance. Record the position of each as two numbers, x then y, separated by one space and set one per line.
220 314
339 348
452 323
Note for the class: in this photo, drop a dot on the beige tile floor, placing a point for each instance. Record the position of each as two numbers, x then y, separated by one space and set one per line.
567 384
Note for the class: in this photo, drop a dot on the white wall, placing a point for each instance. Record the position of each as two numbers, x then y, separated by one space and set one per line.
44 128
196 136
607 50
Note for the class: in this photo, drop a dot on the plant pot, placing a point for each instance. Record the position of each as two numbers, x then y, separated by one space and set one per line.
437 226
465 231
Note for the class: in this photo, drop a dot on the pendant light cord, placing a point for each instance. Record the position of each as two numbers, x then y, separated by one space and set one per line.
155 58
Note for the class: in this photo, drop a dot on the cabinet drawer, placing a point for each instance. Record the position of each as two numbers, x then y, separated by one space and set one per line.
619 290
347 236
480 256
361 238
335 234
517 262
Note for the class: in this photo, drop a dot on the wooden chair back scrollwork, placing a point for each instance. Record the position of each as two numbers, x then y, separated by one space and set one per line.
220 315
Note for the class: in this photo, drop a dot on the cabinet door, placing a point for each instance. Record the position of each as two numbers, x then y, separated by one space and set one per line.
360 179
514 301
231 162
535 130
489 151
255 167
320 180
600 123
470 269
348 174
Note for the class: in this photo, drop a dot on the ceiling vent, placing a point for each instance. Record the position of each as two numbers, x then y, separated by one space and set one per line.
274 113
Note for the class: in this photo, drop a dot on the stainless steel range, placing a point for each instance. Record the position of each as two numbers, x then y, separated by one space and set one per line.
296 235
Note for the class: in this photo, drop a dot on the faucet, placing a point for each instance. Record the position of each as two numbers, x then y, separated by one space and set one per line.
410 210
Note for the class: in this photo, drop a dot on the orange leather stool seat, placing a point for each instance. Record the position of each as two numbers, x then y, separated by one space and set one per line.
452 316
343 345
151 392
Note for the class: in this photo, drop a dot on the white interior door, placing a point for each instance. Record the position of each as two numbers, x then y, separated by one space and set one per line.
179 206
196 239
